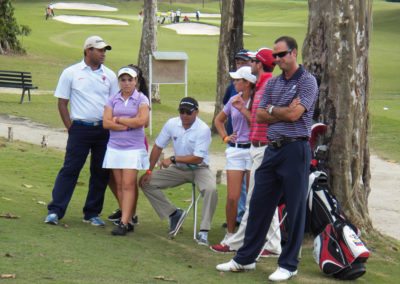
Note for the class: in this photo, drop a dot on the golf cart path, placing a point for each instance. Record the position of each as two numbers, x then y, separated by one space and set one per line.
384 199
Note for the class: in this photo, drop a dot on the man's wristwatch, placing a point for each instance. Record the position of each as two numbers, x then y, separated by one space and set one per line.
270 109
173 160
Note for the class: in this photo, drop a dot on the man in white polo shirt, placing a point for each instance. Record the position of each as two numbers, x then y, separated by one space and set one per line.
86 86
191 138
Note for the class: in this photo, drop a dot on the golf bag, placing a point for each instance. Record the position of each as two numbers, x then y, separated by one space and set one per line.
338 249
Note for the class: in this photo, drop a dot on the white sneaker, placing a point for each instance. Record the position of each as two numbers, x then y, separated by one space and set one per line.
282 274
235 267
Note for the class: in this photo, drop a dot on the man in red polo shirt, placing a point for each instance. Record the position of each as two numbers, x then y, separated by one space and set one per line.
262 65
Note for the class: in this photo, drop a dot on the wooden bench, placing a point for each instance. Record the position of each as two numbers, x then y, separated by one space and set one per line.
19 80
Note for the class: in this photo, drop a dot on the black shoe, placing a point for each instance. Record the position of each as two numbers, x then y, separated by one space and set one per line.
176 220
135 220
120 230
130 226
115 216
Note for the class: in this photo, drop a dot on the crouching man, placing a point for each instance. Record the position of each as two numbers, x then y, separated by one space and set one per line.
191 138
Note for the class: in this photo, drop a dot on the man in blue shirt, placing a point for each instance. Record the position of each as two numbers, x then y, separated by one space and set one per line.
287 106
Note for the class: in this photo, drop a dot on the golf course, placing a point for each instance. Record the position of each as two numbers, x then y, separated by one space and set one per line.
74 252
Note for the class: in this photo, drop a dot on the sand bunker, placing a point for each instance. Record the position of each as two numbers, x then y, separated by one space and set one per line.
83 6
83 20
193 29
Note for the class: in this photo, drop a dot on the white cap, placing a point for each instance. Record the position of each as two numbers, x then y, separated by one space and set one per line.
244 73
96 42
127 70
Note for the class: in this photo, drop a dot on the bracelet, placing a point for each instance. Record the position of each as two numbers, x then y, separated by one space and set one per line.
148 172
270 110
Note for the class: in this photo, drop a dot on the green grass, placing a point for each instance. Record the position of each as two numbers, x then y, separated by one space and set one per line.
74 252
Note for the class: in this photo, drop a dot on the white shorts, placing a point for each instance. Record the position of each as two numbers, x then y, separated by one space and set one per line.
238 159
126 159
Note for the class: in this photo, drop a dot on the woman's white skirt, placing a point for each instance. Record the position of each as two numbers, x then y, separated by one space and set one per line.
126 159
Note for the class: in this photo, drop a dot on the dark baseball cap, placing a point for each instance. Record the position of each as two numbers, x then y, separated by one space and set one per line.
189 103
242 54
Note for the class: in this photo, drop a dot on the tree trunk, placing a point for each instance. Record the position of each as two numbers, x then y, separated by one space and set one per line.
336 52
230 42
148 43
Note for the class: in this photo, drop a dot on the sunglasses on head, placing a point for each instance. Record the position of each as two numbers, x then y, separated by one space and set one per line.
186 111
281 54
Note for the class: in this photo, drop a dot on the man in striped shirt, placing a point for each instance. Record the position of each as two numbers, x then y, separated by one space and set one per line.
287 107
262 65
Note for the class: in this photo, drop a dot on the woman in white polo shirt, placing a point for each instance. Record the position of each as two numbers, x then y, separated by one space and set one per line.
126 114
238 159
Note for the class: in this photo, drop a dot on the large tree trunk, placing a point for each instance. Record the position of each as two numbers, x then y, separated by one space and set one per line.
336 52
148 43
230 42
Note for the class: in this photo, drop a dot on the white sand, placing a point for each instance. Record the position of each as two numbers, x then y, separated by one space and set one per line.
193 29
83 6
83 20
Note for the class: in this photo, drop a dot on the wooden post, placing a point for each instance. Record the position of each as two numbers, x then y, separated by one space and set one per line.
10 134
44 141
219 176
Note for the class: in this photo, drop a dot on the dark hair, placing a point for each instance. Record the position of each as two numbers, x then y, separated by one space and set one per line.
290 42
84 51
252 93
267 68
142 86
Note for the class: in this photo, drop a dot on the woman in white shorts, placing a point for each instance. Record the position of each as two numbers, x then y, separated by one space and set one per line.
238 159
125 114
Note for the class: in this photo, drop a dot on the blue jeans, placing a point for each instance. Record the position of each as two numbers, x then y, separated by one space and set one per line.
82 140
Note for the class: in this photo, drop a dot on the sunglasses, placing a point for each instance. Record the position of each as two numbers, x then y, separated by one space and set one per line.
186 111
281 54
254 60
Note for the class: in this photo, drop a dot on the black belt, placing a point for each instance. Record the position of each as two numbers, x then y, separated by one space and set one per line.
240 145
278 143
88 123
259 143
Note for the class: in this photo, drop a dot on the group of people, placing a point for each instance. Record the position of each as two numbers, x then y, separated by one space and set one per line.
267 154
171 16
